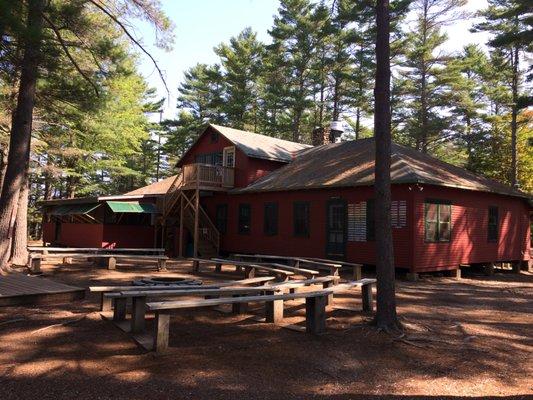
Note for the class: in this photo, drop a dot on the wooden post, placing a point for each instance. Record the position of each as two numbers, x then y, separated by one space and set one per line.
196 215
249 272
161 264
105 303
35 265
111 263
329 297
315 315
138 312
195 266
367 297
181 227
357 275
516 267
273 310
161 331
119 313
239 308
218 267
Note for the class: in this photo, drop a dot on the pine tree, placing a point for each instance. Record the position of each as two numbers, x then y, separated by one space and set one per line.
423 92
241 62
202 94
294 36
510 24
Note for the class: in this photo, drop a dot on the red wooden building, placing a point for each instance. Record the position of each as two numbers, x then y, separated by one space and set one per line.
243 192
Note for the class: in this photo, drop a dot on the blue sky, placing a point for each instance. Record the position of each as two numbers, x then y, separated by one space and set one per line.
202 24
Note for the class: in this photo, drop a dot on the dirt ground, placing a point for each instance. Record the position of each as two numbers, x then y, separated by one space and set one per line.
464 339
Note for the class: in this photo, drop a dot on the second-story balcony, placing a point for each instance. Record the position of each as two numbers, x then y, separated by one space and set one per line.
206 176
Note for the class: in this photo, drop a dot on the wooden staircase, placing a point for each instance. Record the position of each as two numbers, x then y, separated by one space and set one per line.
183 205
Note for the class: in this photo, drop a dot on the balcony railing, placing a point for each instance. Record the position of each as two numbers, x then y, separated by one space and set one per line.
206 175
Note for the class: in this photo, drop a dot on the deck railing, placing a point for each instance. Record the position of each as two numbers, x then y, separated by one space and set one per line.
206 175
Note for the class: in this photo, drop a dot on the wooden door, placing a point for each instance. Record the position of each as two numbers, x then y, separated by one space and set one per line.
336 229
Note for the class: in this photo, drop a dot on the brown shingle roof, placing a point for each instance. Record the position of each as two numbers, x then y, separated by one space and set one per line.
260 146
352 164
156 188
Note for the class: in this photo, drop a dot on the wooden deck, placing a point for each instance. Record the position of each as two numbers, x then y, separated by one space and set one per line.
16 289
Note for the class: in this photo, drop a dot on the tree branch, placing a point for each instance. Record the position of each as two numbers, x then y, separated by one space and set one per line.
67 52
129 35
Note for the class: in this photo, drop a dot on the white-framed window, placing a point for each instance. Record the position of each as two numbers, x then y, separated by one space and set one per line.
229 157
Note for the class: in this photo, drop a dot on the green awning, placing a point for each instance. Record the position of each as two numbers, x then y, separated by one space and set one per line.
74 209
131 207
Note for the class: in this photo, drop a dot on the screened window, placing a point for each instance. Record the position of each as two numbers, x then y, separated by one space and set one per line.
493 224
245 214
438 221
301 219
222 218
271 219
210 158
370 220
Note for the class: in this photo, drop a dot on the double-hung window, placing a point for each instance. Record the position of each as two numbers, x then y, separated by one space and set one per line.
438 220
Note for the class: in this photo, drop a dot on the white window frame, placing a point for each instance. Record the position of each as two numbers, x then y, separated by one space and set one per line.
225 152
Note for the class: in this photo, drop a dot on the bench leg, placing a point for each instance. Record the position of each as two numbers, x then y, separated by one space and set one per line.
138 314
239 308
329 297
315 315
357 275
35 265
366 293
161 328
218 267
249 272
274 311
105 303
119 313
161 265
195 266
111 263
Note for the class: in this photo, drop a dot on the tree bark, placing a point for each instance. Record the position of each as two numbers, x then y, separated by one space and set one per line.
19 141
386 317
19 253
3 166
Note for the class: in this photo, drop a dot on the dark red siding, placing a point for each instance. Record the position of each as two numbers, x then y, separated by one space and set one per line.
99 235
469 241
285 243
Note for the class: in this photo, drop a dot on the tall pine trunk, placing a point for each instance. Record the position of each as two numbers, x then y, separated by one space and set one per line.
386 317
19 141
514 115
19 252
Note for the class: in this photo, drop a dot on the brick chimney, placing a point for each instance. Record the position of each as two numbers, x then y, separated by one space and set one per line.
321 136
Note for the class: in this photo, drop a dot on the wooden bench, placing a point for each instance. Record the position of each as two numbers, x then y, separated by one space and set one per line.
356 268
315 308
331 266
105 304
250 268
107 260
139 298
315 312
